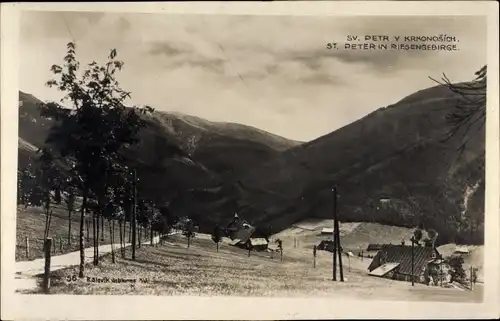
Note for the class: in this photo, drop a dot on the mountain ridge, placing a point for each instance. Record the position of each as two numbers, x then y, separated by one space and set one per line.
395 152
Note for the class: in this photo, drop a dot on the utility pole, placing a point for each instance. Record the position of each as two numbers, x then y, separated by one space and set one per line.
134 209
412 261
333 235
336 240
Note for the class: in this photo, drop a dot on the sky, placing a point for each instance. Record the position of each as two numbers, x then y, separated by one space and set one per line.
270 72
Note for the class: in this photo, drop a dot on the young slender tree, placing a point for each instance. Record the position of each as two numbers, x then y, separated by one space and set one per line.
49 181
69 200
188 230
95 128
217 236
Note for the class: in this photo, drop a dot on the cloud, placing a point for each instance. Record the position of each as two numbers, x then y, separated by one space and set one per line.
168 49
292 85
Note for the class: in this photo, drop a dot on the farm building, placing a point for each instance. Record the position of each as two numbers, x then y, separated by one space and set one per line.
327 231
395 262
243 234
461 250
372 250
326 245
373 247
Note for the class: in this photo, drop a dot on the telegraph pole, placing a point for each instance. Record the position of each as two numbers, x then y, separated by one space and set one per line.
334 239
134 209
337 242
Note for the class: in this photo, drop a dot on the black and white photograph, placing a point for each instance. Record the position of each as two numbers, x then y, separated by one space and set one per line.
252 155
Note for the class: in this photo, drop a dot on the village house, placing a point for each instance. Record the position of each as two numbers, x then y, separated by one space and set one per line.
327 231
327 245
461 250
372 250
395 262
244 235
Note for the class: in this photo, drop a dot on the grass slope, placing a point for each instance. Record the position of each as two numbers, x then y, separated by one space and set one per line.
174 269
30 223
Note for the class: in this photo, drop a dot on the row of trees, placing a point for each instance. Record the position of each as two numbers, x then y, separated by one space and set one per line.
82 163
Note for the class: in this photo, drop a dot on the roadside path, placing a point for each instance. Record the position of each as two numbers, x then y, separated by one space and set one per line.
26 271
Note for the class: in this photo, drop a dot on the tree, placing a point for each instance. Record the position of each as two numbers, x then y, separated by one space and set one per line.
93 132
469 114
280 247
417 234
188 230
167 220
25 185
49 180
457 272
111 212
217 236
432 235
69 200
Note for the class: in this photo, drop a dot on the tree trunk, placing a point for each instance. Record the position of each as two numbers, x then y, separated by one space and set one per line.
97 235
111 235
87 224
121 237
151 235
82 220
94 233
217 246
130 231
102 228
140 236
69 227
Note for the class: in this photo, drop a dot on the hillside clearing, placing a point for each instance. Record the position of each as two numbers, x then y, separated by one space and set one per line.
199 270
30 223
355 235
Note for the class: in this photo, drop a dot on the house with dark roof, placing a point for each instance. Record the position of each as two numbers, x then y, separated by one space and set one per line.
327 245
374 247
395 262
243 235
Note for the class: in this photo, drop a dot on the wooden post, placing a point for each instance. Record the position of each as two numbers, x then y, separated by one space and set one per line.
54 247
27 247
60 245
441 268
314 256
46 275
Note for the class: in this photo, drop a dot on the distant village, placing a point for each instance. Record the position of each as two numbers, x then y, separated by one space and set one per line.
416 260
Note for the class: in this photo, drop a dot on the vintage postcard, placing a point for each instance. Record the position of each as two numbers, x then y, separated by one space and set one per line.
250 160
